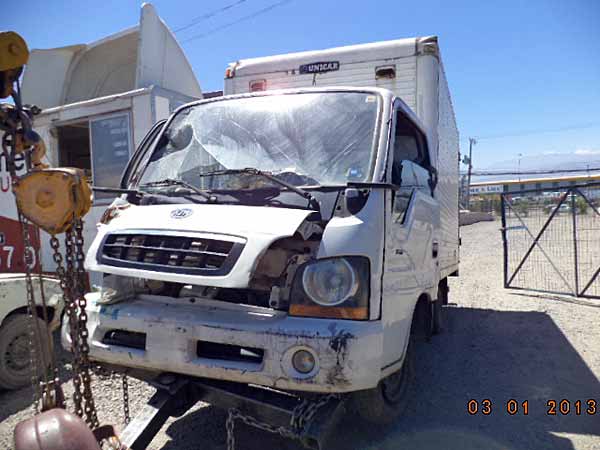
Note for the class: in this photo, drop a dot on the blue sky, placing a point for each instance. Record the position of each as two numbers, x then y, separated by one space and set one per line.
524 75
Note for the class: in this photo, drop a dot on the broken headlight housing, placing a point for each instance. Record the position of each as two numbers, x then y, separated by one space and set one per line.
118 288
332 288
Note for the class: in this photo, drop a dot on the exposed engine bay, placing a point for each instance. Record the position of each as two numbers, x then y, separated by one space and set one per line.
269 285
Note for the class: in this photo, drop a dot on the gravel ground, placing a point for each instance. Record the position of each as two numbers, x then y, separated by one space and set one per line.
501 345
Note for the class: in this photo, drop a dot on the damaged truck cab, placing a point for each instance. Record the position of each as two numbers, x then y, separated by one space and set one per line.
283 239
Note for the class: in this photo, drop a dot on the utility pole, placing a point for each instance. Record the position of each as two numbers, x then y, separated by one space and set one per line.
519 166
472 142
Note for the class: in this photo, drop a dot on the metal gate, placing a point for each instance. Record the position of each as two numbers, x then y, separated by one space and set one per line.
551 240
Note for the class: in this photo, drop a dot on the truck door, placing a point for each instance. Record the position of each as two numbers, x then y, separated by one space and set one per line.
412 221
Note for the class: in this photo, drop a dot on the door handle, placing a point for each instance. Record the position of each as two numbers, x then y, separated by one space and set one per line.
434 249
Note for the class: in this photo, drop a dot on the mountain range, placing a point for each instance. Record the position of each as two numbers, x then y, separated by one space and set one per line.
584 160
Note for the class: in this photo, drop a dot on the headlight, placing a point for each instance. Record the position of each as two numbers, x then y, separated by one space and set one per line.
332 287
330 282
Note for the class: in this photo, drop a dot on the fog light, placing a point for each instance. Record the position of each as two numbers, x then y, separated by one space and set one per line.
303 361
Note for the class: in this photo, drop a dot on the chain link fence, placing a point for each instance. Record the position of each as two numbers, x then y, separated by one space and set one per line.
552 240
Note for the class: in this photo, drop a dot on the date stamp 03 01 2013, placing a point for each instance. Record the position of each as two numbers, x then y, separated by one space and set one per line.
564 407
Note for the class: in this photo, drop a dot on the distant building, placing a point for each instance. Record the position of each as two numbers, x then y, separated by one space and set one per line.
532 184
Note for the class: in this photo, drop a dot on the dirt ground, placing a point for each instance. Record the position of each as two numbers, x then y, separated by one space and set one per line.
501 345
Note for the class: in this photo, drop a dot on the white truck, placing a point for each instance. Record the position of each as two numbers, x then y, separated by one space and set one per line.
98 101
292 238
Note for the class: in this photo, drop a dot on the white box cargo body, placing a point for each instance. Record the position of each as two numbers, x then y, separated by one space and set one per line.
412 69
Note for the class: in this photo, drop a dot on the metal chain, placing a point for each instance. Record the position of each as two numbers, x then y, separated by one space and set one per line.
249 420
84 349
126 398
101 371
65 280
305 411
72 282
301 417
32 313
55 397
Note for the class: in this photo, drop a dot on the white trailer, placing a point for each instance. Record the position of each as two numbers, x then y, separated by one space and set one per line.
412 69
98 101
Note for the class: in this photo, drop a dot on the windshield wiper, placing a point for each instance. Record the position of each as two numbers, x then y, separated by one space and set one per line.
116 190
174 182
312 201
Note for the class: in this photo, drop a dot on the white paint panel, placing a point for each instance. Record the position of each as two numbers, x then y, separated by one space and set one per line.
161 61
142 117
161 108
385 50
104 68
359 73
447 189
45 75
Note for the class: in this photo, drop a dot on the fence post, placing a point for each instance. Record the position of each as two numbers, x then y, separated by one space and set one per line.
576 258
504 242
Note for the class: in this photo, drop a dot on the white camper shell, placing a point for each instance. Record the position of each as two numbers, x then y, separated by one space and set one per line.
294 238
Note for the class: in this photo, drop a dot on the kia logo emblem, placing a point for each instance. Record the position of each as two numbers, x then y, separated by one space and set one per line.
181 213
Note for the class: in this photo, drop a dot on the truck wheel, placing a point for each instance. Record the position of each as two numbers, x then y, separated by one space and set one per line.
15 367
385 403
439 319
439 312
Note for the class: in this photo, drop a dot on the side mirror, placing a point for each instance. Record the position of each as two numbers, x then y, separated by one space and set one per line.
408 174
433 180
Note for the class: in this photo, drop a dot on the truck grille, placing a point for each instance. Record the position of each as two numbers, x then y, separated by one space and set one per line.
170 253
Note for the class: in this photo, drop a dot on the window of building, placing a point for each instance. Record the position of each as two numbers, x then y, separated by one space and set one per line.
100 146
74 146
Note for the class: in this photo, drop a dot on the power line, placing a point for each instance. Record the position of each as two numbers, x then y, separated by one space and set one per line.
533 172
208 15
538 131
235 22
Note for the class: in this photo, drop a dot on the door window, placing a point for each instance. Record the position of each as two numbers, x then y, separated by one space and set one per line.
409 150
131 172
410 163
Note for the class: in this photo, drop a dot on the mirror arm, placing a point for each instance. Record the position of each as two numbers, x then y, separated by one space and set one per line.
433 180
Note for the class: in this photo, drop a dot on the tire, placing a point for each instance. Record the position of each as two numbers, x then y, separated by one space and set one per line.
439 312
439 319
385 403
15 366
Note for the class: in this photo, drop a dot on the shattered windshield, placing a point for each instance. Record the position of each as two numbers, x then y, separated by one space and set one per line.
306 139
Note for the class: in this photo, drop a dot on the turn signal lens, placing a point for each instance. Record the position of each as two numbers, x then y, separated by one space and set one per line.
352 313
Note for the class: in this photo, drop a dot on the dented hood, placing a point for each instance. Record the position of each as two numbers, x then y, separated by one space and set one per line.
255 227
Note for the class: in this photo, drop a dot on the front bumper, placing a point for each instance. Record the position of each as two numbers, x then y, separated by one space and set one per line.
348 353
